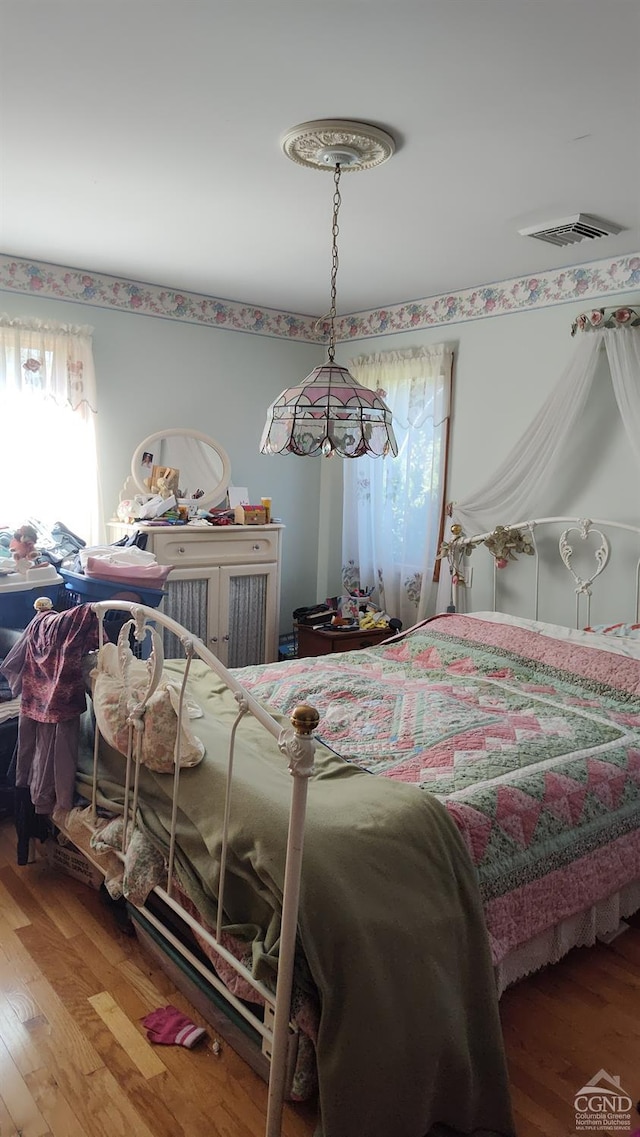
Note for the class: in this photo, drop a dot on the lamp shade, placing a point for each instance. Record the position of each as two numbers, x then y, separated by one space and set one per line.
330 413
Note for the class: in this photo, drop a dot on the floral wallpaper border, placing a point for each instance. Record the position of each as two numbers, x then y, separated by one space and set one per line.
102 291
598 278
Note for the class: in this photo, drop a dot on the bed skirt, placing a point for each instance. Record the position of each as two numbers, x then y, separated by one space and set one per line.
600 922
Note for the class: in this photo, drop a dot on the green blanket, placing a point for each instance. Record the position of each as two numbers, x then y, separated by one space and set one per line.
390 923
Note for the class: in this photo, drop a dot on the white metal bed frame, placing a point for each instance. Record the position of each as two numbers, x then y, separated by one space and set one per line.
461 546
297 745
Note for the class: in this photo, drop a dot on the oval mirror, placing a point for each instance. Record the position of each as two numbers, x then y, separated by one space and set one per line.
191 465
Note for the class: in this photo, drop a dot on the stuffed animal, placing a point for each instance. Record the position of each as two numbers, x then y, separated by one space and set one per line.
167 481
23 544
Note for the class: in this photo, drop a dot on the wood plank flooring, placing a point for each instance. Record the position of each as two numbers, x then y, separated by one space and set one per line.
75 1061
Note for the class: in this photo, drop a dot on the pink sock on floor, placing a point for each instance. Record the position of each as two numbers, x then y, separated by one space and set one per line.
169 1027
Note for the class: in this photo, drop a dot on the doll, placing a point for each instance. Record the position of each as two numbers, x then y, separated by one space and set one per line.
23 544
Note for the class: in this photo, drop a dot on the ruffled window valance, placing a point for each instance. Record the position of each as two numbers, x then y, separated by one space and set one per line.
55 360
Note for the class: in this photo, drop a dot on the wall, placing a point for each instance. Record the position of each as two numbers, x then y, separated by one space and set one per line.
505 367
153 374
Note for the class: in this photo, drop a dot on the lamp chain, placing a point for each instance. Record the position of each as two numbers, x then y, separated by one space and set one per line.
334 262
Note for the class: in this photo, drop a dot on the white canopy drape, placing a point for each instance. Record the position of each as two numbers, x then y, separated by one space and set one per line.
516 488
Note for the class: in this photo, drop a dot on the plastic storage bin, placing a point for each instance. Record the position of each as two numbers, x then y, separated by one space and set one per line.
89 589
80 589
17 594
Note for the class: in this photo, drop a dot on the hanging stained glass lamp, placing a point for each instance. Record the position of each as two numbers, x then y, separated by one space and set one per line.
330 413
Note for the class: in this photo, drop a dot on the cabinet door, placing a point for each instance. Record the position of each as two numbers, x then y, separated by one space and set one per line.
248 614
192 599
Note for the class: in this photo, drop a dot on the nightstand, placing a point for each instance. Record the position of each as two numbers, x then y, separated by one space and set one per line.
318 641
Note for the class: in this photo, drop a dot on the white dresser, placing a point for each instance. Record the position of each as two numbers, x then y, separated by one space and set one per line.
225 587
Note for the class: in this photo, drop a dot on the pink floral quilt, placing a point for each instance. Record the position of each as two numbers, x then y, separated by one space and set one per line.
533 745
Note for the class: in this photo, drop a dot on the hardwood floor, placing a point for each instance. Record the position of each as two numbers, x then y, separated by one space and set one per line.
75 1061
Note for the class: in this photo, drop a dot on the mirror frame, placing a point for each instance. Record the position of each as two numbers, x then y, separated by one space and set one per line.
213 496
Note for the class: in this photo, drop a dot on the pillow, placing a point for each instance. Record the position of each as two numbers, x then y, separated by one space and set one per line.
631 630
115 695
144 865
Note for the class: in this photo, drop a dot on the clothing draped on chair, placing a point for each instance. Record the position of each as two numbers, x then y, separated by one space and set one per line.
45 668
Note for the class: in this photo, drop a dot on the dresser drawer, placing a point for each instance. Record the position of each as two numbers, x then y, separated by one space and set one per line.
229 546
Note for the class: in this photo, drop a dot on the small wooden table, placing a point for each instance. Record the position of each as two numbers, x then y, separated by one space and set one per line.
323 641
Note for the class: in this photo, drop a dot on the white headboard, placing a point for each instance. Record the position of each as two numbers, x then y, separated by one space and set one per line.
565 570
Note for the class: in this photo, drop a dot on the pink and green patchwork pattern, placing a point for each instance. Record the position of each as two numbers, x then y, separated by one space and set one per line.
533 745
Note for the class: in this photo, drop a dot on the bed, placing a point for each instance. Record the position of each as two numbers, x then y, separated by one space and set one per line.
383 865
412 906
533 744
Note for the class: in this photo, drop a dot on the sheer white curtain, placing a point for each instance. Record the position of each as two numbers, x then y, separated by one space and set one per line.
393 506
48 467
515 492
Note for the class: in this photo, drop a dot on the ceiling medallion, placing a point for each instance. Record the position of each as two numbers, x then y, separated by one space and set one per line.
327 142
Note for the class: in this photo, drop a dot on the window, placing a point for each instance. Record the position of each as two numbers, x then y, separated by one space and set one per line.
392 511
48 468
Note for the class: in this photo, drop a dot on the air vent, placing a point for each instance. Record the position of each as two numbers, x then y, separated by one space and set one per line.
571 230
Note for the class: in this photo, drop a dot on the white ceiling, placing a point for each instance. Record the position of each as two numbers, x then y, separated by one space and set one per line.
142 138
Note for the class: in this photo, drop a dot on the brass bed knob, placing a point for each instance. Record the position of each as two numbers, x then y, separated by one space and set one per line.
304 719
